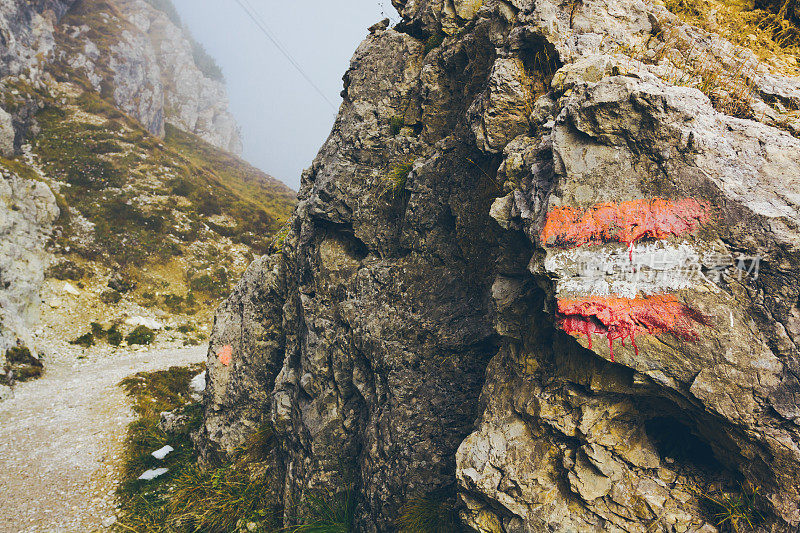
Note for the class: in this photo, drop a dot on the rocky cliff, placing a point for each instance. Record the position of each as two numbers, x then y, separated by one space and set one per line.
544 272
121 196
127 50
137 55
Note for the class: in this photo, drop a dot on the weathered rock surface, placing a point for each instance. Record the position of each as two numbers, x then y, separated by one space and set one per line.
6 134
27 212
192 101
27 33
561 183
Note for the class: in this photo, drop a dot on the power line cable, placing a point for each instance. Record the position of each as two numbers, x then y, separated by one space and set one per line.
258 21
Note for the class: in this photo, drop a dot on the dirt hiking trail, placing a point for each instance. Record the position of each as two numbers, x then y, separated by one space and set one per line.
61 437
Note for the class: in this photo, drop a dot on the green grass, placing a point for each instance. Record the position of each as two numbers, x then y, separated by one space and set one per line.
187 498
96 161
22 364
86 340
152 203
734 512
431 513
394 183
141 335
19 168
329 511
396 124
114 336
280 239
764 26
191 499
259 203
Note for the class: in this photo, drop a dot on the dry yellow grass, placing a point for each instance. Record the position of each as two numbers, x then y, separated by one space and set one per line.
774 38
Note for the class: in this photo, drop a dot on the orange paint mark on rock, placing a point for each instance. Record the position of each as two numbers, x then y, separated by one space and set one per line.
625 222
224 354
623 318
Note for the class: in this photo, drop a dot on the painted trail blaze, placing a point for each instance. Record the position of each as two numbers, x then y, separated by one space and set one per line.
625 222
622 318
224 354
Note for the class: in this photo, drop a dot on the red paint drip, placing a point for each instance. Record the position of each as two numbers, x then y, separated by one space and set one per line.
623 318
625 222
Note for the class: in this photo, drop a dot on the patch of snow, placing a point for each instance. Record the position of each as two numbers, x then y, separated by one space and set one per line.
198 383
162 452
153 473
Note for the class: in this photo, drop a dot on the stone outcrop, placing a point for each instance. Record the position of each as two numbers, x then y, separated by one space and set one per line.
27 34
7 134
27 212
596 262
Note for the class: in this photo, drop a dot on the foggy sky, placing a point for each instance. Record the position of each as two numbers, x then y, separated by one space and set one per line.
284 120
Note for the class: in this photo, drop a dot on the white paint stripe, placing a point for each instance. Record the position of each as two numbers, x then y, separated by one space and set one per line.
655 268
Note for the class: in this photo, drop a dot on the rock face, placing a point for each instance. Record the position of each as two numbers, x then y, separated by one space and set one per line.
27 212
27 33
597 264
192 101
136 54
128 51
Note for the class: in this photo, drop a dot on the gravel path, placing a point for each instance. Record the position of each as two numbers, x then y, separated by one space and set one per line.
61 437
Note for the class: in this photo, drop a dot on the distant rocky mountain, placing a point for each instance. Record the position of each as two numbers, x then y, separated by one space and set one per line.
119 160
130 52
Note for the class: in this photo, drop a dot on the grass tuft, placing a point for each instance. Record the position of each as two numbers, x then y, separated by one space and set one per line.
86 340
396 124
767 27
431 513
21 366
691 65
394 183
280 239
329 512
735 512
141 335
114 336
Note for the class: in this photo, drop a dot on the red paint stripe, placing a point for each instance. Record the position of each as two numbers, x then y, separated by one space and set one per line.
622 318
625 222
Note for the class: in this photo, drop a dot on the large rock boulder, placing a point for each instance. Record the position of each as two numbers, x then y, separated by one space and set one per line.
703 392
609 258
